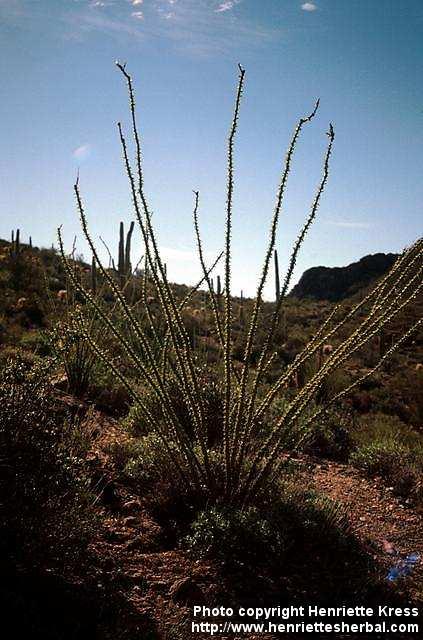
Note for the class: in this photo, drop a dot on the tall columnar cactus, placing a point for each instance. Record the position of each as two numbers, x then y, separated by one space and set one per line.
127 262
241 308
15 247
124 253
219 292
277 281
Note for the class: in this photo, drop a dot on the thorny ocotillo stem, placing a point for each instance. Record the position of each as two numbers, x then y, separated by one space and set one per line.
265 269
228 306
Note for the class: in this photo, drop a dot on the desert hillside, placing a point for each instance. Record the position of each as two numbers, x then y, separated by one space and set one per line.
90 519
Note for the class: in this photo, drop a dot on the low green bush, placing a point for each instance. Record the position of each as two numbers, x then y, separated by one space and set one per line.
44 490
235 537
211 396
396 461
331 437
283 523
380 457
146 459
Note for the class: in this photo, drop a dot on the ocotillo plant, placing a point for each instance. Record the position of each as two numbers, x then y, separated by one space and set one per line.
121 253
93 276
277 281
249 454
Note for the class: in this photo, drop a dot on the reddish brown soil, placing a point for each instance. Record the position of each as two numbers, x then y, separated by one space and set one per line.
161 585
377 517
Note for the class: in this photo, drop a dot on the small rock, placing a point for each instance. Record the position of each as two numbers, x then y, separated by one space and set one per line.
137 578
131 505
116 536
185 590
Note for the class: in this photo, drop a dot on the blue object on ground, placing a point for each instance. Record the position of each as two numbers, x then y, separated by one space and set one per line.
403 567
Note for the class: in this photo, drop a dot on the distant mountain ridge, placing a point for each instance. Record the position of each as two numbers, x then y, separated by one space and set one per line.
337 283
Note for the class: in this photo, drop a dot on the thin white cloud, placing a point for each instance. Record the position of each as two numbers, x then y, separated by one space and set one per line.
100 4
309 6
190 26
95 22
82 152
137 2
226 6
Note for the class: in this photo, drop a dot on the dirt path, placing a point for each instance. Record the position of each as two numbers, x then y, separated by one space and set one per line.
377 517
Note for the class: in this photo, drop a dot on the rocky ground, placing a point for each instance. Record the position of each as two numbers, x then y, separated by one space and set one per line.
158 585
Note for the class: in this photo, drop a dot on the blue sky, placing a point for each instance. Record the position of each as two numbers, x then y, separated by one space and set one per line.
62 97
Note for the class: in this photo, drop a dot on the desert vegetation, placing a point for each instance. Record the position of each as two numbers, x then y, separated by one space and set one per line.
146 416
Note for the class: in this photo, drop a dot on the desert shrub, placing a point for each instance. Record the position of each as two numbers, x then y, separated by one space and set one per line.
398 462
44 490
331 437
134 422
146 459
382 427
211 397
281 524
108 393
402 396
35 342
380 457
312 518
142 461
235 537
72 350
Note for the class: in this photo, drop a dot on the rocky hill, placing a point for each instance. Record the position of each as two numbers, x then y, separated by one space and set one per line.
337 283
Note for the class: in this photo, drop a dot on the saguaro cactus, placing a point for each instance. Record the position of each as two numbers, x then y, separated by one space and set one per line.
124 253
127 262
15 248
219 292
241 308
